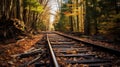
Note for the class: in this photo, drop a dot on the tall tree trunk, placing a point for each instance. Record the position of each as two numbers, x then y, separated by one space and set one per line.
87 22
19 9
14 9
71 23
11 9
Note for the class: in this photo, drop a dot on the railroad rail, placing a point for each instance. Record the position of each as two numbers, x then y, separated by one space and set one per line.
54 60
70 52
115 51
60 50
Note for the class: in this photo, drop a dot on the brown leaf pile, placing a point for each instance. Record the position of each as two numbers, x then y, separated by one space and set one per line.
16 48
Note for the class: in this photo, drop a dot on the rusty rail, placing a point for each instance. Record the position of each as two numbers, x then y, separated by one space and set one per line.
55 63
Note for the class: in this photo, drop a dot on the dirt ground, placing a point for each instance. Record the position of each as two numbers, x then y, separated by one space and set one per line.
20 46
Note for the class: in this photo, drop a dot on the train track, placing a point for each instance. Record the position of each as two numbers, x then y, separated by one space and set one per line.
60 50
68 52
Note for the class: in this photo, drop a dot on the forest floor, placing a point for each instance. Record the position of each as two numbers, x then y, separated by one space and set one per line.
20 46
102 43
99 40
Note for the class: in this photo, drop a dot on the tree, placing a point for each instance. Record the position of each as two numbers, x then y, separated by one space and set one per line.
22 14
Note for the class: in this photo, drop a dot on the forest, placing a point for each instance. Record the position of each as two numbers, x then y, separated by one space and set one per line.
23 23
90 17
23 16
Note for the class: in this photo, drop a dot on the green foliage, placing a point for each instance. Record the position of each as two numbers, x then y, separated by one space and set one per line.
65 8
33 5
116 18
41 26
63 24
103 18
